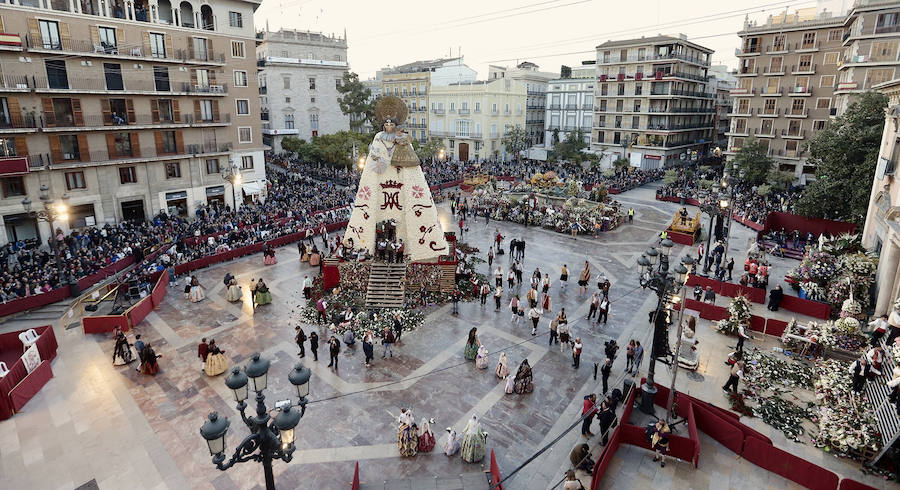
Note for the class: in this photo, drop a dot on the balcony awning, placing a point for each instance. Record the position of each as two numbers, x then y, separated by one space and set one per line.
13 166
251 188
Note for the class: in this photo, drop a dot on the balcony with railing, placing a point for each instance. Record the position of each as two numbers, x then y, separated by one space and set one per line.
464 111
796 112
793 133
655 57
16 123
438 111
768 112
748 71
100 85
555 107
125 122
679 127
104 50
804 68
887 29
784 153
807 46
771 91
571 107
800 91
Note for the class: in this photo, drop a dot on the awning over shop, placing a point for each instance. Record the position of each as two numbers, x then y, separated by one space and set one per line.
252 188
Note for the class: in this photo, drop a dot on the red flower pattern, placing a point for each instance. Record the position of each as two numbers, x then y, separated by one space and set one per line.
418 192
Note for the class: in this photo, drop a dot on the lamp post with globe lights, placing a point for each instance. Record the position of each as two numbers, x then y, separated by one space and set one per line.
53 210
682 273
272 437
233 175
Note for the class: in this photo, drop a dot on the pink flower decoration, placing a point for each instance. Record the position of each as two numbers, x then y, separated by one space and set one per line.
418 192
364 193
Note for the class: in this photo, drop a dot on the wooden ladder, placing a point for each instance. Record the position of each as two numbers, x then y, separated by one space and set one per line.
387 285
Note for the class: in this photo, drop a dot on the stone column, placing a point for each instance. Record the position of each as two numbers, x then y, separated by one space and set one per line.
4 238
886 275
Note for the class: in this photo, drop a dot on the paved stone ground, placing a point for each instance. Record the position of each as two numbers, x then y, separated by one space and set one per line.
131 431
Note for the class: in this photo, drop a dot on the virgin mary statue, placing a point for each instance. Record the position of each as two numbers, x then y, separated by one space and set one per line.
393 187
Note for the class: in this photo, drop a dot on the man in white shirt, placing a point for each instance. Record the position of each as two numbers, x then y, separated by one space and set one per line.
535 316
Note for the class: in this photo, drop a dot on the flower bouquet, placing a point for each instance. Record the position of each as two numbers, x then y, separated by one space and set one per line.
739 311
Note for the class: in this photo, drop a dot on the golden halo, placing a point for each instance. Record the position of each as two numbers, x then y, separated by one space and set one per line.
390 107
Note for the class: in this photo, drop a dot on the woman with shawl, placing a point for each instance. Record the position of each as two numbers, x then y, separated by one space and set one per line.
196 294
522 382
234 291
481 362
502 370
474 441
452 443
426 437
407 433
149 364
216 362
263 296
510 387
123 352
472 344
269 256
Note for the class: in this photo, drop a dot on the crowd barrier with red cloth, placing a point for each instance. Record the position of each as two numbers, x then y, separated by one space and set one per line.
789 466
693 202
790 222
680 238
718 428
806 307
34 301
756 295
848 484
19 386
86 282
775 327
355 484
132 316
449 184
495 472
104 323
609 450
613 190
768 326
714 313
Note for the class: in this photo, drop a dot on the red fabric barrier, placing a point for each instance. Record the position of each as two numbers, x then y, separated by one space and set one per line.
694 436
790 222
722 430
331 276
46 342
679 446
30 386
848 484
495 472
606 455
693 304
104 323
35 301
86 282
139 311
16 374
789 466
806 307
159 291
680 238
714 313
775 327
613 190
757 323
694 280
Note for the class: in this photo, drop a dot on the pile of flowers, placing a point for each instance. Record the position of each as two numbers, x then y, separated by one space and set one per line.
410 317
784 416
588 216
839 334
776 374
835 272
418 275
739 311
846 424
354 275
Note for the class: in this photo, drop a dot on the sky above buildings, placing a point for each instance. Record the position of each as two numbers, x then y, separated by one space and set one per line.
549 33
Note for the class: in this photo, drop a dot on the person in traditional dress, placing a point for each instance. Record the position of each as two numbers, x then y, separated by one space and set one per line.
187 286
481 362
474 441
510 387
369 346
263 296
216 362
502 370
426 437
472 344
393 187
407 434
234 291
522 382
196 294
269 256
452 443
123 352
148 362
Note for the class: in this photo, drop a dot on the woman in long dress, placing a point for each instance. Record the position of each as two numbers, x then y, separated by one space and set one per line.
216 362
522 382
510 387
123 352
234 291
473 443
481 362
426 437
263 296
149 364
452 443
269 256
407 434
502 370
472 345
197 294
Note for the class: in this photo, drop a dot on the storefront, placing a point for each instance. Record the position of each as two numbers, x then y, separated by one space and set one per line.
253 191
81 216
215 196
176 203
20 227
133 210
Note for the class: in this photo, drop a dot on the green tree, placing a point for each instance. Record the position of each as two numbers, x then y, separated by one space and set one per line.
515 140
621 164
670 177
337 149
570 149
555 137
845 154
781 180
752 160
427 150
356 101
291 144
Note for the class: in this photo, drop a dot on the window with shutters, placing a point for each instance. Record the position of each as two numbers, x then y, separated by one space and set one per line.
287 82
168 141
776 64
823 103
827 81
161 78
202 76
235 19
117 113
312 83
809 40
57 77
288 121
127 175
166 112
245 134
805 62
50 34
247 162
831 58
240 78
75 180
876 76
243 106
798 107
884 51
212 166
237 49
173 170
63 116
108 39
13 186
206 110
157 45
68 145
835 34
201 48
122 142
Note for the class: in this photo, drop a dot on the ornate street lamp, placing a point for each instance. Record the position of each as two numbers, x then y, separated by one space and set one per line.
54 209
273 437
233 175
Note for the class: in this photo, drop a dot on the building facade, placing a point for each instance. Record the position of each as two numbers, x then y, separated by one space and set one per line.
299 76
471 118
122 110
652 102
536 92
881 232
570 105
412 82
721 82
870 42
786 77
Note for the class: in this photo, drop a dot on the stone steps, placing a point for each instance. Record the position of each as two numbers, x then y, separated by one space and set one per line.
466 481
387 285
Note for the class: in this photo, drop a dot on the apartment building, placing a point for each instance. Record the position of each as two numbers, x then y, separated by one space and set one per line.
121 110
471 118
721 81
299 76
786 77
652 103
536 91
412 82
570 105
870 43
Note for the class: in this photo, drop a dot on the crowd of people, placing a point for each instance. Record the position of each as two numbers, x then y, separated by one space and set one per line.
748 202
